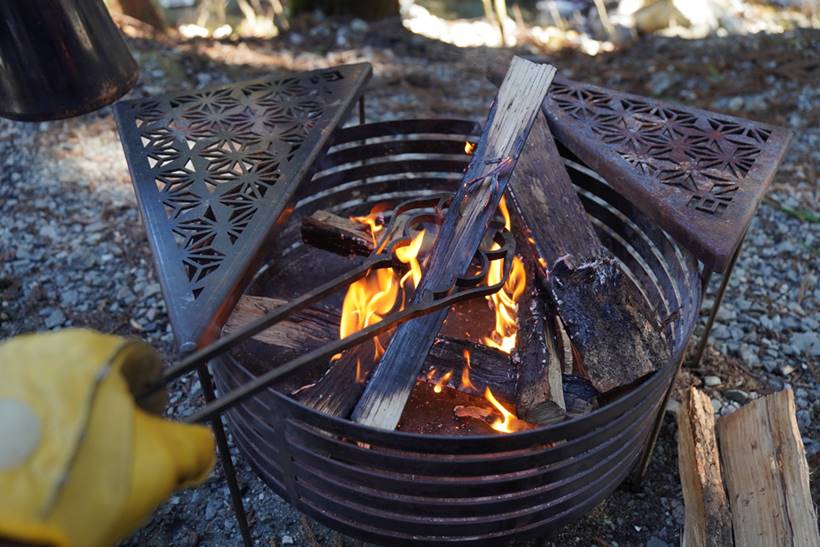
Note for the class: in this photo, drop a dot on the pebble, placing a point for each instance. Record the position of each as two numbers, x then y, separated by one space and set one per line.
737 395
55 319
287 540
656 542
711 381
785 370
212 508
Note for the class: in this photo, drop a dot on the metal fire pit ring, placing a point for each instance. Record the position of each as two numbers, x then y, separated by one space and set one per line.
401 488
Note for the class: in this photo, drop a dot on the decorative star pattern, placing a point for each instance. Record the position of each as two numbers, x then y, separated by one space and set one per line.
704 155
215 155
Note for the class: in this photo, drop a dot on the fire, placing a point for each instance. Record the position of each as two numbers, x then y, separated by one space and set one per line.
367 301
442 381
466 383
509 422
502 206
469 147
409 255
505 304
373 220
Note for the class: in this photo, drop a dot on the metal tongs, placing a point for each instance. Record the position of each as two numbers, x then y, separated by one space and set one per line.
464 288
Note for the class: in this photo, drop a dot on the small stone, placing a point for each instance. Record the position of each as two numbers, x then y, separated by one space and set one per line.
152 289
68 298
287 540
656 542
785 370
711 381
211 509
359 25
806 342
55 319
804 419
716 405
737 395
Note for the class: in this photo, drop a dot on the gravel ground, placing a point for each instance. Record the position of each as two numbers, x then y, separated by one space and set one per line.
73 250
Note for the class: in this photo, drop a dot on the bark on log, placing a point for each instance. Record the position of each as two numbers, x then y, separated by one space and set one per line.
488 367
539 393
337 234
508 124
708 517
605 315
766 474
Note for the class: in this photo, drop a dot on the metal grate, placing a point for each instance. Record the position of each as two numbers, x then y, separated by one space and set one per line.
215 169
698 174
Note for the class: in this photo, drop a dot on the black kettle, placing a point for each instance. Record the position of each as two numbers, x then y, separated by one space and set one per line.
60 58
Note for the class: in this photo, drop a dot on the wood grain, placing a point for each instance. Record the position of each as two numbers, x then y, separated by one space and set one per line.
708 521
767 476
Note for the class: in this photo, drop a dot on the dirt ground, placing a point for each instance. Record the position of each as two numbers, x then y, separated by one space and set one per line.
74 252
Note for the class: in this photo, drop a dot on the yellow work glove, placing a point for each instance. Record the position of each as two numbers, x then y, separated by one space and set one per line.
82 465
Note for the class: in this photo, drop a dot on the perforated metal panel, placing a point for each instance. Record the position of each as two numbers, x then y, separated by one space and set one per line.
215 171
698 174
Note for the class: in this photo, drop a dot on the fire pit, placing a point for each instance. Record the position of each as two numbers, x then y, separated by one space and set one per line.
395 486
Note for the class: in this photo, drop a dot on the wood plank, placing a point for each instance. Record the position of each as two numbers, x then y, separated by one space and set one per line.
605 316
766 474
340 235
508 125
708 521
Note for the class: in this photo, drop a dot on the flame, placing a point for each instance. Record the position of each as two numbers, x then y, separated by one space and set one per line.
466 383
373 220
367 301
442 381
505 304
509 422
502 206
469 148
409 255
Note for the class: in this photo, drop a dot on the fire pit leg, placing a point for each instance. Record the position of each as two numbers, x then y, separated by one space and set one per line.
227 462
640 470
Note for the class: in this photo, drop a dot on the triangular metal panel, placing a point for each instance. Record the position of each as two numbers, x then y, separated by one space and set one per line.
700 175
215 170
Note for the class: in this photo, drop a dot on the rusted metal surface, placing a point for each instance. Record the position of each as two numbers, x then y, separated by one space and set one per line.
700 175
60 59
215 172
399 488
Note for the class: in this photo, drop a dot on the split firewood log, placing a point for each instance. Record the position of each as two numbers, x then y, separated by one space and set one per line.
708 521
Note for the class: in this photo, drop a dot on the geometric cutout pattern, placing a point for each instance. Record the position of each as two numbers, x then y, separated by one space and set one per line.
688 163
214 169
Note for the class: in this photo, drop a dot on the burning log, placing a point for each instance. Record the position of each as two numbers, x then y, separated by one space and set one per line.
539 394
604 314
469 367
465 222
337 234
708 517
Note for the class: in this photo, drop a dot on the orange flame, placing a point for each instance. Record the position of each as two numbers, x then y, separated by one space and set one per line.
466 383
409 255
373 220
502 206
367 301
469 147
509 422
505 304
442 381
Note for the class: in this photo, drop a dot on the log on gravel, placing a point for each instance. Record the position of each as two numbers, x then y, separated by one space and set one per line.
606 317
766 474
708 521
340 235
508 125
